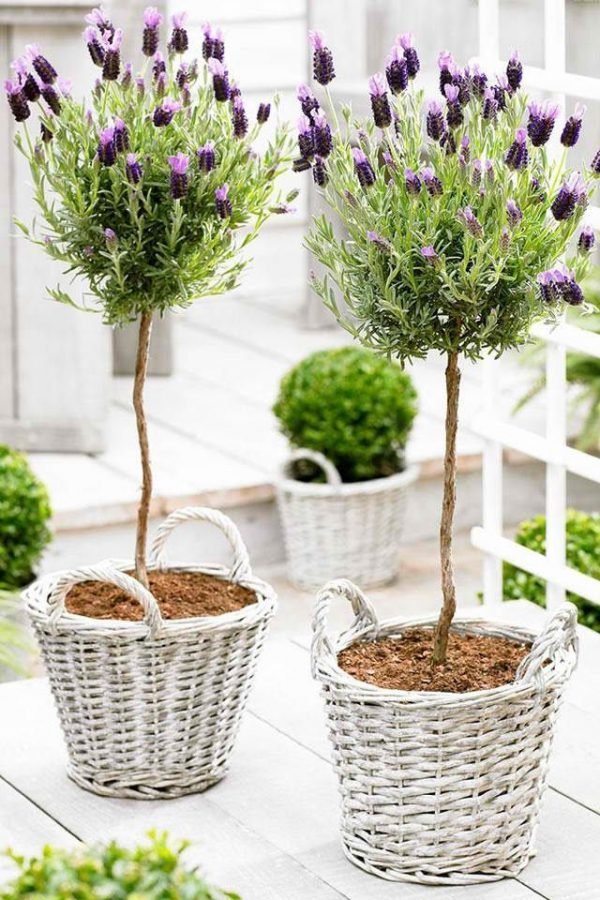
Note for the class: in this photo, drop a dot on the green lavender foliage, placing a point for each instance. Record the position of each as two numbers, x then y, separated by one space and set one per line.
24 516
152 871
481 296
168 252
352 406
583 541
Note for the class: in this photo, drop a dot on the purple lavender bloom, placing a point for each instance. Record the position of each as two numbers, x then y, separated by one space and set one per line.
111 239
513 213
542 117
263 112
51 97
306 138
206 157
133 168
465 148
517 155
362 166
222 202
447 68
435 122
302 164
17 100
127 78
375 238
560 284
479 80
572 127
546 284
322 139
323 69
587 239
159 66
432 182
429 254
150 37
571 193
44 69
179 178
100 20
308 102
389 160
514 72
472 223
501 90
477 171
382 113
448 142
140 85
107 153
504 242
31 88
489 173
94 45
412 181
213 45
179 42
163 115
410 54
112 57
121 136
454 113
182 76
239 118
489 109
396 70
46 133
595 166
320 176
220 80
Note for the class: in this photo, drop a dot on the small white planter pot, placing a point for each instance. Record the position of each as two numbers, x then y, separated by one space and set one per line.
151 709
338 530
441 788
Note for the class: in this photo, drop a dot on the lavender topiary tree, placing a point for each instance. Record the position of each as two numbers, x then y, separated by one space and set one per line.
455 218
144 194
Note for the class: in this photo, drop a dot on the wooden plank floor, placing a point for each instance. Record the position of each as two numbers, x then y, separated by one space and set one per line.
269 829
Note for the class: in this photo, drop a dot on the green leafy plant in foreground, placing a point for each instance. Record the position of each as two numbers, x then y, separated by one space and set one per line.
152 871
583 543
24 516
352 406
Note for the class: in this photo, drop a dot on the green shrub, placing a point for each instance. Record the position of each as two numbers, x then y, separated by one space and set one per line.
153 871
355 407
24 514
583 541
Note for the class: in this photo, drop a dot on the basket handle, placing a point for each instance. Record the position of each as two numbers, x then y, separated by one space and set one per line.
332 475
559 636
321 647
240 568
59 587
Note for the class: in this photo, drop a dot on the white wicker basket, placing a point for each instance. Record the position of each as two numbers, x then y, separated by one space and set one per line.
441 788
151 709
334 529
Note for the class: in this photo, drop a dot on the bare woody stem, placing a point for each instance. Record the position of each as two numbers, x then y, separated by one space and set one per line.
141 367
440 641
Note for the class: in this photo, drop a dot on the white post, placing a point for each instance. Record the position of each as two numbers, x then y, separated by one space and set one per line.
489 31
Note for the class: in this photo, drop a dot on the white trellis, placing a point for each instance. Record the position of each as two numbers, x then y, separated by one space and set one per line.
551 449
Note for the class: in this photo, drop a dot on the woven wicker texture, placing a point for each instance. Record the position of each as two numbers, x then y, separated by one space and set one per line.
334 529
151 709
441 788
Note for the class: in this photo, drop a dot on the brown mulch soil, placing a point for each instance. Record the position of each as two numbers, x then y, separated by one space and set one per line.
180 595
474 662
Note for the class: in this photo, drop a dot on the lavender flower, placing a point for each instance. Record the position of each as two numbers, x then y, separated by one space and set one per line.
17 100
107 153
302 164
572 127
133 169
163 115
489 109
429 254
542 117
100 20
179 42
308 102
447 68
263 113
587 239
560 284
140 86
94 45
127 78
179 178
504 242
410 54
159 66
239 117
412 181
31 88
320 176
222 202
448 142
472 223
476 173
121 136
435 123
112 57
46 133
150 37
479 80
465 148
396 70
322 136
518 155
111 239
206 157
220 80
546 284
44 69
375 238
51 98
571 193
323 69
514 72
595 166
213 46
306 139
182 76
489 172
362 166
432 182
500 91
513 213
382 113
454 113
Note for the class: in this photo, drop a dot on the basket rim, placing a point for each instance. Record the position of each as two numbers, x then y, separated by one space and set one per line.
373 486
332 675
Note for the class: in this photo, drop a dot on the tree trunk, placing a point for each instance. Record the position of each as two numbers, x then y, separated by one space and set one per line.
141 366
440 642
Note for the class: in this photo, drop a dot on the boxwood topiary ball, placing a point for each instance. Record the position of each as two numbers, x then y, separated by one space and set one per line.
24 514
354 407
